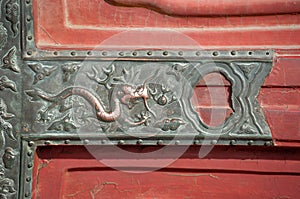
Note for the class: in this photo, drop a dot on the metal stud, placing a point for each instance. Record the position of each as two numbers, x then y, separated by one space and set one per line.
232 142
86 141
30 143
160 142
250 142
67 141
215 53
28 18
28 179
268 143
197 142
30 165
214 142
47 142
29 153
29 52
140 141
121 142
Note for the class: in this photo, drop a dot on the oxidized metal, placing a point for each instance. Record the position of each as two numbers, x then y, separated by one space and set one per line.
3 36
10 60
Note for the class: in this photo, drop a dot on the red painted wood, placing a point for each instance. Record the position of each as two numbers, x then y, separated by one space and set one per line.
217 7
58 25
222 174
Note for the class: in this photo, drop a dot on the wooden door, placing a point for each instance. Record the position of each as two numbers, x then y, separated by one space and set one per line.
149 99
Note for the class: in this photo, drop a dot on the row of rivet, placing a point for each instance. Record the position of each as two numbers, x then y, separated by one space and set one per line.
149 53
28 178
161 142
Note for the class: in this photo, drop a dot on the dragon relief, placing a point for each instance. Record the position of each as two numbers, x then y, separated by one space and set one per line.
127 105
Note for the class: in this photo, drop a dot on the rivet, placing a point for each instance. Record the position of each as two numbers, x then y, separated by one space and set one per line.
28 179
177 142
197 142
268 143
160 142
55 53
233 142
267 53
103 141
134 53
28 18
30 143
104 53
27 194
198 53
180 53
29 52
29 37
67 141
215 53
214 142
140 141
250 142
233 52
250 53
86 141
121 142
28 1
165 53
121 53
73 53
149 53
29 165
89 53
47 142
29 153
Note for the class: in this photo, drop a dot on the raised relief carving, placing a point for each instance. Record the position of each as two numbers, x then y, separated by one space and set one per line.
10 60
3 36
5 127
65 124
9 157
154 98
12 15
69 70
7 83
248 68
7 185
121 93
40 71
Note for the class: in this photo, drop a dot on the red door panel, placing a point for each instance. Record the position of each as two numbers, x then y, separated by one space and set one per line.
222 174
